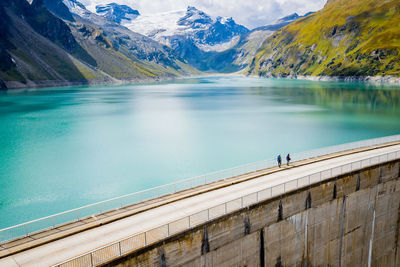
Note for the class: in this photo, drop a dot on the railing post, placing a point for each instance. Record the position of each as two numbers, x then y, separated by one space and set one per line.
77 214
91 259
120 250
145 238
26 230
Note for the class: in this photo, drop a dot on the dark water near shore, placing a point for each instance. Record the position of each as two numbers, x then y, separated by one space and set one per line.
61 148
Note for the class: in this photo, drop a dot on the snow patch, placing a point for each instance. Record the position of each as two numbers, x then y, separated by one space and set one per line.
76 8
163 24
219 47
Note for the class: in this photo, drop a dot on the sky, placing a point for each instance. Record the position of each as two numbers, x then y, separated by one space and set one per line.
250 13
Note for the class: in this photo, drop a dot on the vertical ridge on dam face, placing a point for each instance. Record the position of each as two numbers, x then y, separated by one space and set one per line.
218 217
262 250
341 231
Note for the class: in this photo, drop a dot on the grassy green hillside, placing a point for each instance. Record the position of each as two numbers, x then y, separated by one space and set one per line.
345 38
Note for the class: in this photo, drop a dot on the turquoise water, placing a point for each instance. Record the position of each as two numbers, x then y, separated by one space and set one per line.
61 148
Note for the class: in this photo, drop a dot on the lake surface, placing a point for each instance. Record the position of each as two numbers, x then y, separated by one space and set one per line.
61 148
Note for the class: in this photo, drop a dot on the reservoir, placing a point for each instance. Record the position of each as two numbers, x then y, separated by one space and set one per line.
62 148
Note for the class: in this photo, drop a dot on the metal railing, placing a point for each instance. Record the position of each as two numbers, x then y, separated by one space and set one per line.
153 235
53 221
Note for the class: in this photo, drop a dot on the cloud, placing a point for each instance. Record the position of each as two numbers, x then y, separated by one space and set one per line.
251 13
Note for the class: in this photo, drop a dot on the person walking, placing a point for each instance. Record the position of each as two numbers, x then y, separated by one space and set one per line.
288 158
279 159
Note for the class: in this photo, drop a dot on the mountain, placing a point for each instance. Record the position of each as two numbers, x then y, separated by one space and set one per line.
346 38
40 47
192 34
117 13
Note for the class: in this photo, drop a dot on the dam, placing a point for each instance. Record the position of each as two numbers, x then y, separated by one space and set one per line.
338 206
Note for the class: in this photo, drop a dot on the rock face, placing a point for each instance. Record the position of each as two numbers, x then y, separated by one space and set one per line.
117 13
36 46
345 39
59 9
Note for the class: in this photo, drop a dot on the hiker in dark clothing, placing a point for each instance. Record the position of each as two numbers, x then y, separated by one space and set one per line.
288 159
279 159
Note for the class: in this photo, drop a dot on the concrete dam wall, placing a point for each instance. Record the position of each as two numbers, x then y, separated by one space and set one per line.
349 220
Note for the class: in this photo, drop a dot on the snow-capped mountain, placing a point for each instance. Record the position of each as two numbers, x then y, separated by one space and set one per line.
117 13
194 35
193 24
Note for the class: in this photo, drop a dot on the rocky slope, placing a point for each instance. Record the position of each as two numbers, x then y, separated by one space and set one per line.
345 39
39 47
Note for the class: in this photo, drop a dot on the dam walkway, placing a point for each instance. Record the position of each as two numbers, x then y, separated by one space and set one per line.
97 239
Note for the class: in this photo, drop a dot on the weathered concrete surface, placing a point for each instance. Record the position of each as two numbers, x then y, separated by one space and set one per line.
338 230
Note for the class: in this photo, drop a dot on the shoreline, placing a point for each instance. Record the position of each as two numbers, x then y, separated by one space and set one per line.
14 85
388 80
